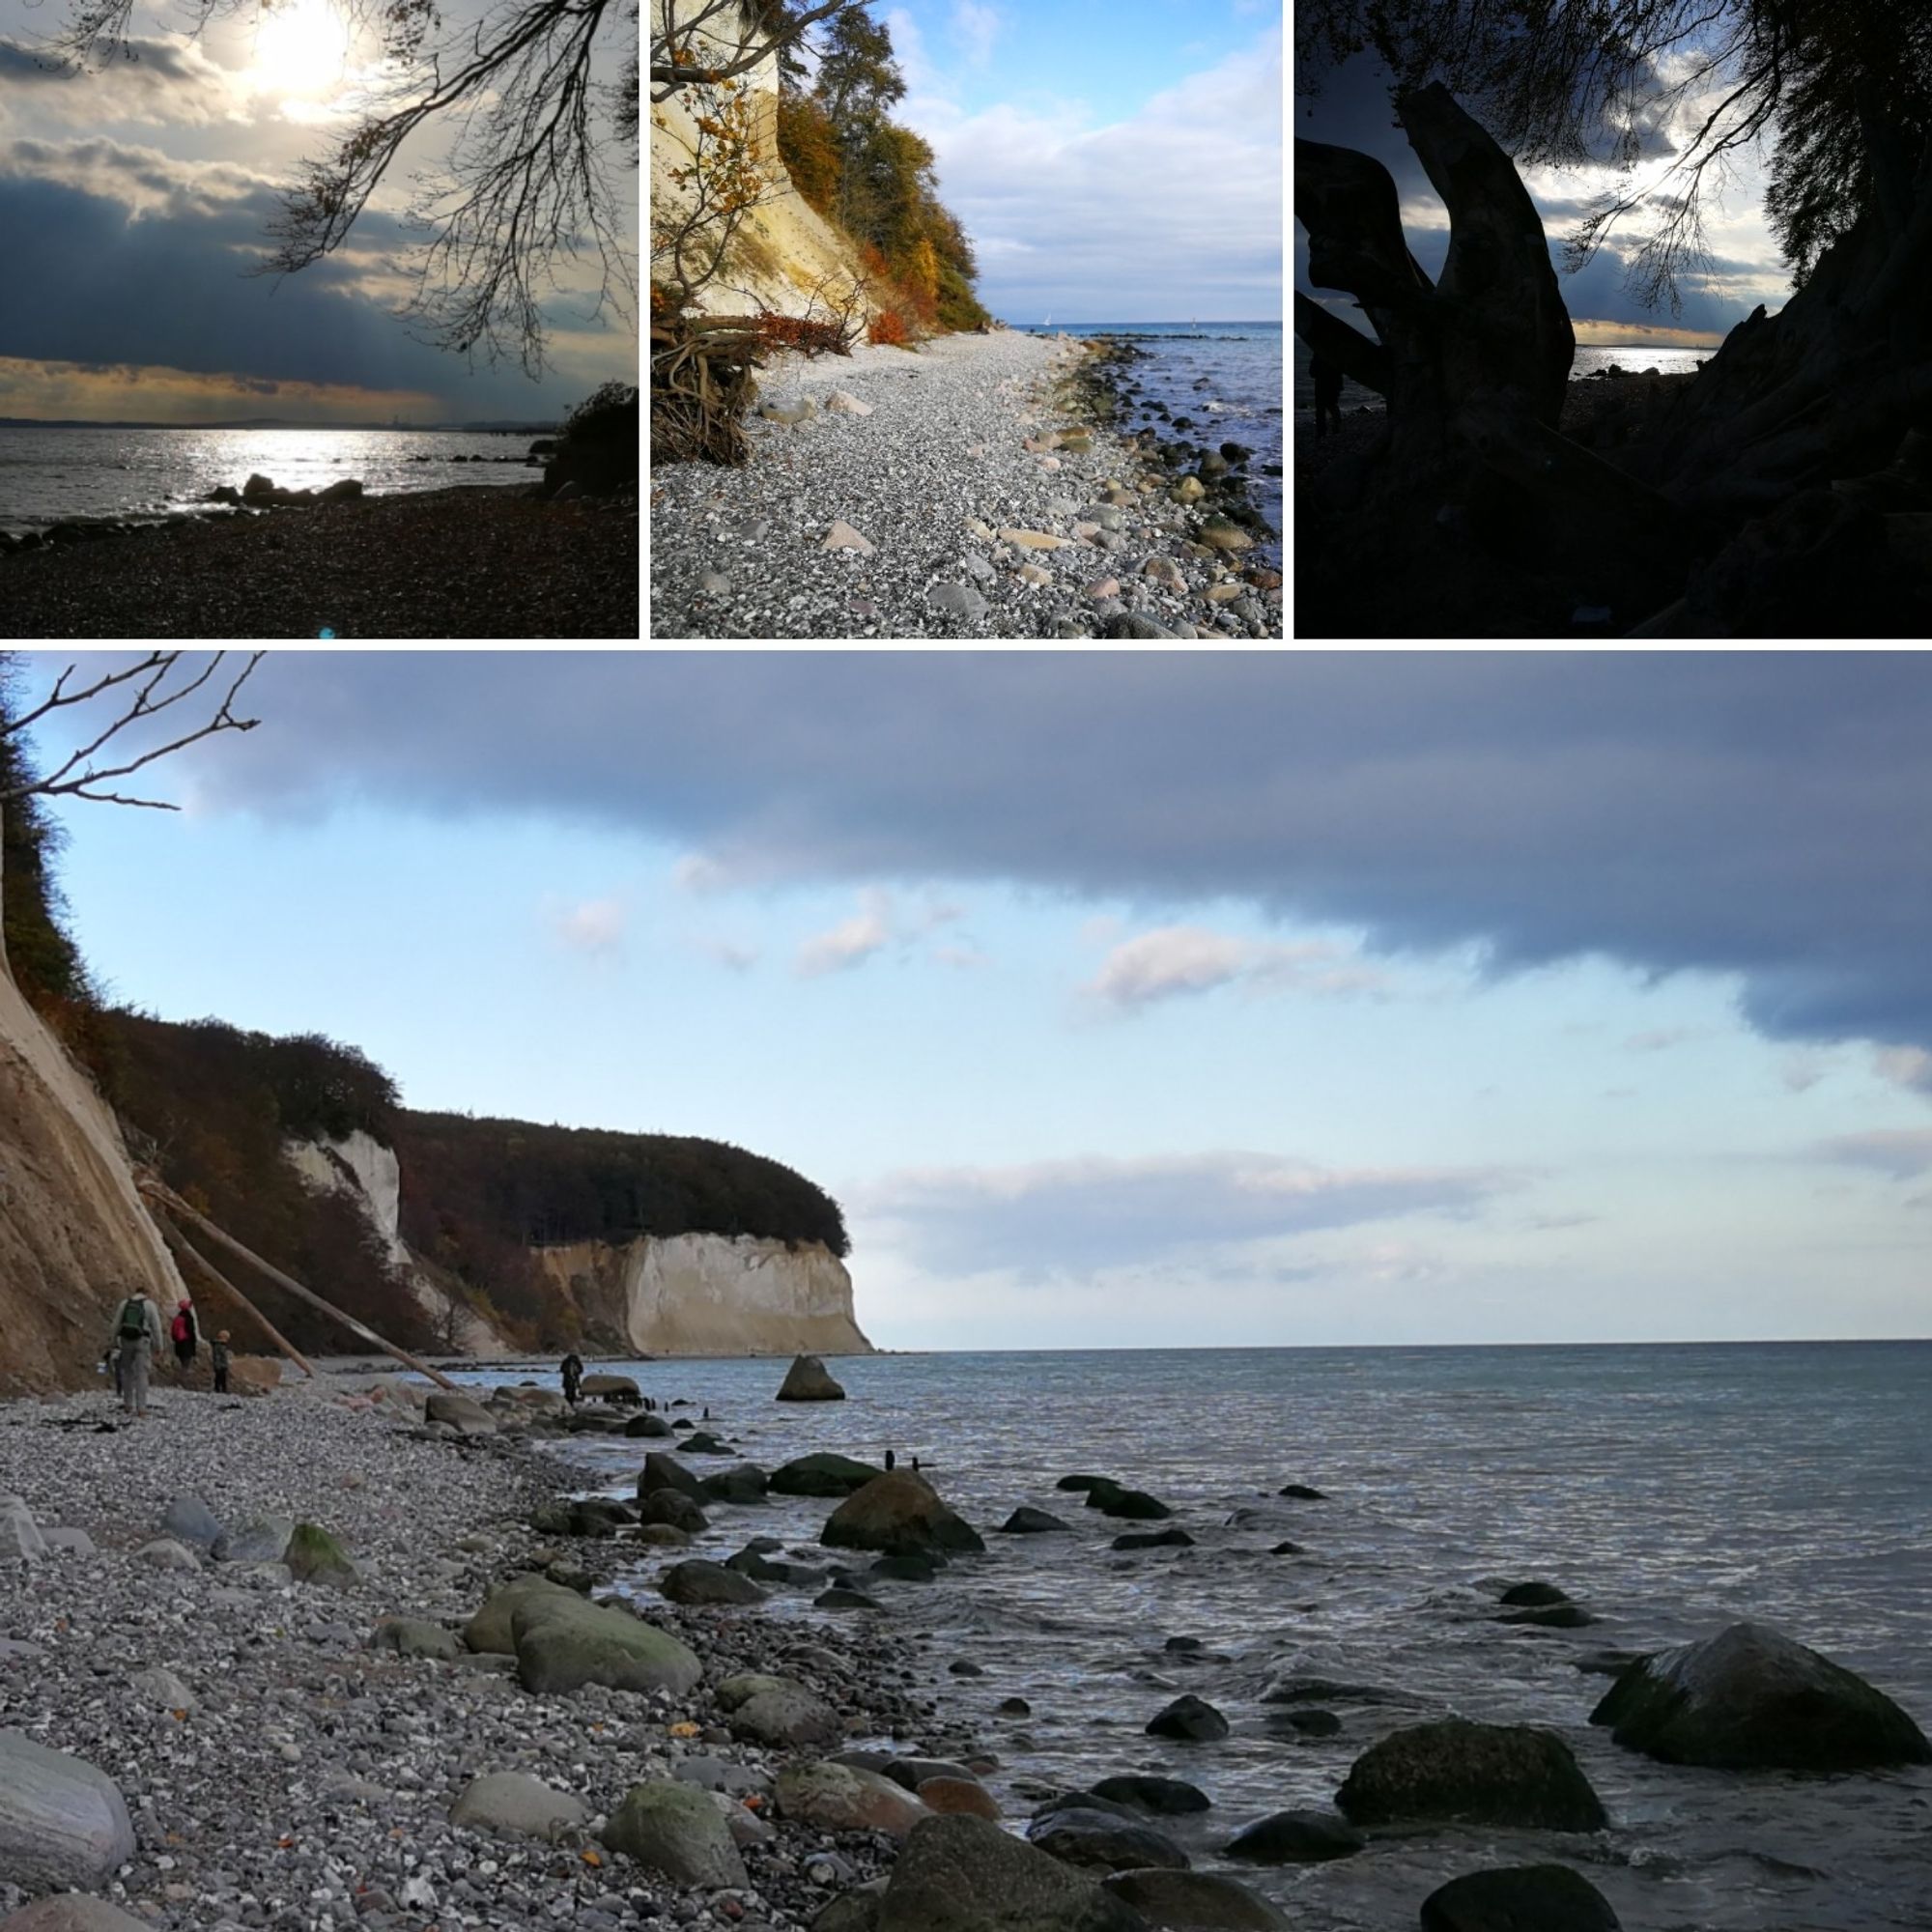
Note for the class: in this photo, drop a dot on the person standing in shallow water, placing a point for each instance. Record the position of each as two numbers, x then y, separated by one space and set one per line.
1327 379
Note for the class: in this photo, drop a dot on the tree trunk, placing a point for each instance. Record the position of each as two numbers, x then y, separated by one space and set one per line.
1493 333
165 1196
185 1250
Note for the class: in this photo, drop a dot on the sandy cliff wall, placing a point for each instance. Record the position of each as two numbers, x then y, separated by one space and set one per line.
785 246
74 1233
362 1168
713 1295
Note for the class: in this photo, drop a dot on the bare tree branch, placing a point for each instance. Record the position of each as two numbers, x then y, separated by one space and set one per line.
683 30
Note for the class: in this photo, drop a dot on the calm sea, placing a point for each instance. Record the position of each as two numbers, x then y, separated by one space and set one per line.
1225 376
1673 1489
1637 360
47 475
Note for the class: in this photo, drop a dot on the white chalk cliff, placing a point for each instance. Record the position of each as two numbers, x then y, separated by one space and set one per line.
362 1168
714 1295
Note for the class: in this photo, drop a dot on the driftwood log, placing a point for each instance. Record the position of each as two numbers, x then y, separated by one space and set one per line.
164 1197
185 1250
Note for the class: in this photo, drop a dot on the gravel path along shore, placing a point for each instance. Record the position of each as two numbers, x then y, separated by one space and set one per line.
281 1771
932 479
468 563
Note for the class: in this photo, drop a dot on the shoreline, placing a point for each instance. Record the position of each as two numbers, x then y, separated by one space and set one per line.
464 561
990 494
282 1752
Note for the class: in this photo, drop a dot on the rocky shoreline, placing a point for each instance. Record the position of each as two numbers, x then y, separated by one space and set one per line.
349 1653
972 489
471 562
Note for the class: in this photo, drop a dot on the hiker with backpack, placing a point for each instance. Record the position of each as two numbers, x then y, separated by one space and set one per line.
136 1341
181 1332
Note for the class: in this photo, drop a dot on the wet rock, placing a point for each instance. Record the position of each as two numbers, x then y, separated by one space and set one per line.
620 1390
1518 1899
1176 1538
347 491
697 1581
1528 1595
968 1875
1164 1797
896 1512
662 1471
743 1484
1190 1718
806 1380
822 1473
1507 1775
1298 1838
1751 1698
62 1821
1103 1841
1188 1901
461 1412
1301 1493
1028 1521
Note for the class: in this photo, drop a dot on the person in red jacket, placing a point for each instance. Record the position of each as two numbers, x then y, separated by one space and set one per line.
182 1331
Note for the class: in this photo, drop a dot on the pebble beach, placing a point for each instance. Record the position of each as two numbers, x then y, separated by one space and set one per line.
971 492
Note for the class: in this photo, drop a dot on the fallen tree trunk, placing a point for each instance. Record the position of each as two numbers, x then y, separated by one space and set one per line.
165 1196
185 1250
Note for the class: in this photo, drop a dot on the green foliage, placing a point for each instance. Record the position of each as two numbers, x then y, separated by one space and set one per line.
809 146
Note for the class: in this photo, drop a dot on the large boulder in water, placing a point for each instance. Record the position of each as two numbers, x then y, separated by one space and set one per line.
1102 1842
806 1380
1752 1699
1509 1775
1518 1899
896 1512
822 1474
1189 1901
968 1875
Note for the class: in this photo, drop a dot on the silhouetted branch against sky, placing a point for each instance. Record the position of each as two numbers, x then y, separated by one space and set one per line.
526 185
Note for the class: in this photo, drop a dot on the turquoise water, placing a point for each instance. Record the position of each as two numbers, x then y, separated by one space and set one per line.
1673 1489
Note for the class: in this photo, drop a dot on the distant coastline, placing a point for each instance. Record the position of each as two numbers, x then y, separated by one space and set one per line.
495 428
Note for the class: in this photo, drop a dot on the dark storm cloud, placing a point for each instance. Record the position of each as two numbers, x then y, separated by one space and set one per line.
87 221
1766 814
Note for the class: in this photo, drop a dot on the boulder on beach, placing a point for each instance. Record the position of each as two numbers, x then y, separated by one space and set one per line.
315 1556
345 491
673 1509
1518 1899
1190 1901
416 1637
806 1380
846 1798
257 488
1105 1841
224 492
1752 1699
1190 1718
61 1820
644 1423
1136 1505
779 1714
1298 1838
562 1643
72 1911
1164 1797
822 1473
619 1390
742 1483
968 1875
1509 1775
894 1512
489 1630
461 1412
663 1470
675 1828
513 1804
697 1581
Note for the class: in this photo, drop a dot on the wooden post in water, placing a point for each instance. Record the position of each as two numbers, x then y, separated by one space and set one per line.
158 1191
185 1250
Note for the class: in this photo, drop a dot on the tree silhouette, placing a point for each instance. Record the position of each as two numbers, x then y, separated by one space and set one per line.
526 185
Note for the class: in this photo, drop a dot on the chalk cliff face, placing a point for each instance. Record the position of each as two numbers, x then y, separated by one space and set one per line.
73 1234
362 1168
711 1294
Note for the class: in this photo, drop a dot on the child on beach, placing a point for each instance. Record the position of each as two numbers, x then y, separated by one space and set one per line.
218 1359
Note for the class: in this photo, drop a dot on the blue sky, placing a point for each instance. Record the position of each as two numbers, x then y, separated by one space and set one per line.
1744 267
133 199
1148 1000
1111 162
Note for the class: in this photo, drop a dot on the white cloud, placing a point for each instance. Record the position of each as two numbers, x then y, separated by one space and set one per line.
592 927
1097 1211
165 81
144 181
1176 959
1902 1153
851 941
1184 194
974 26
1909 1066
